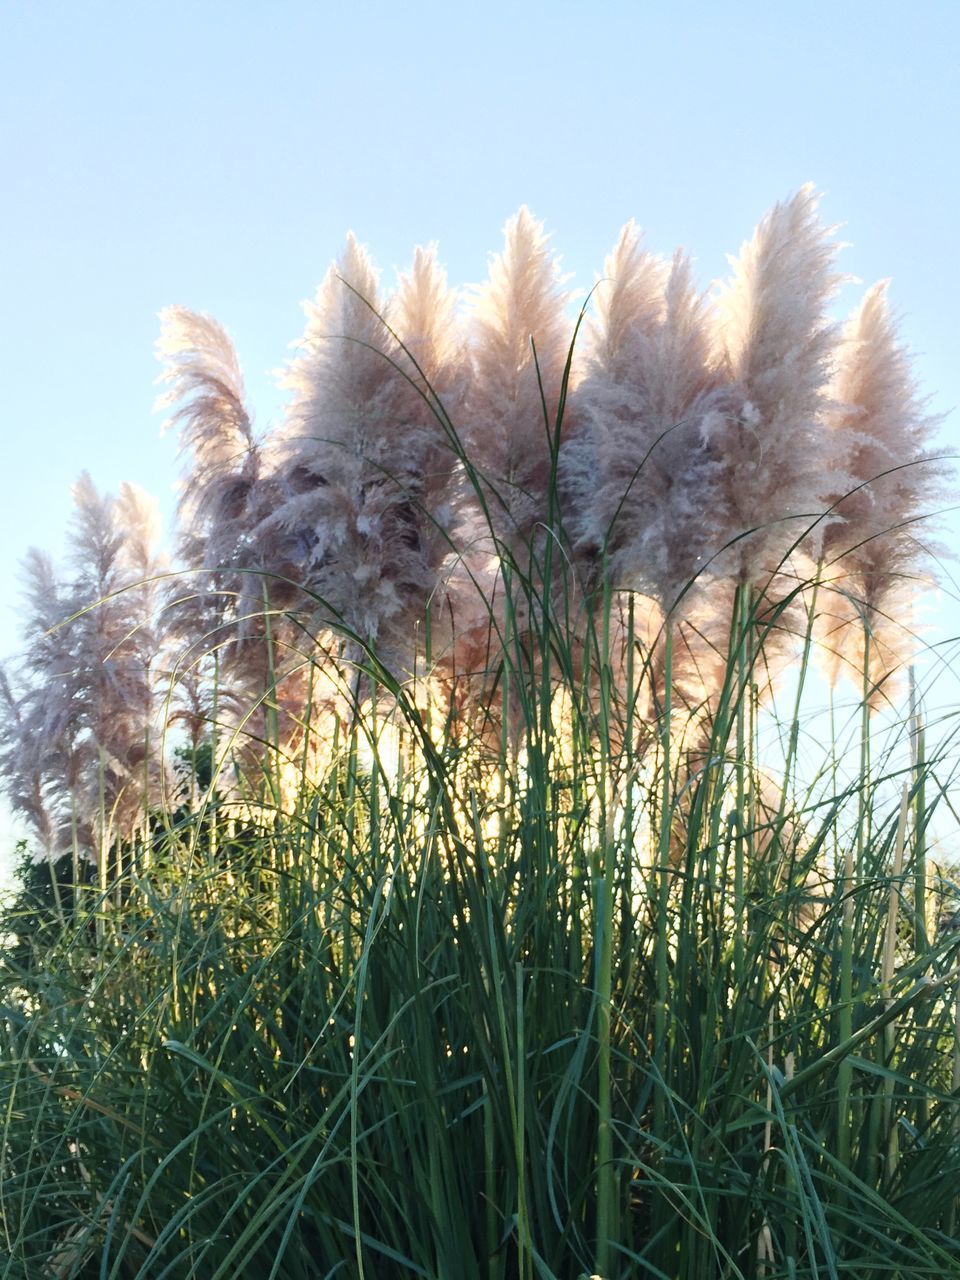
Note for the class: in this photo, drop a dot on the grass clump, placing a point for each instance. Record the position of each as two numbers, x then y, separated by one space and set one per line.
510 912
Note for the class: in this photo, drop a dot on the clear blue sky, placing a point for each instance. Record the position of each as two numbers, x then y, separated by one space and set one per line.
215 154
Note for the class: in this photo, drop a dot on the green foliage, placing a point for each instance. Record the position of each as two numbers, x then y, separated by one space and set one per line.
396 1025
45 896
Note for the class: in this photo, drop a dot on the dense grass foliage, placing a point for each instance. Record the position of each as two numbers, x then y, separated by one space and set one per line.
465 1009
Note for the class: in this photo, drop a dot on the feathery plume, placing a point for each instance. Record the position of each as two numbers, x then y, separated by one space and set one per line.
114 649
22 754
773 447
80 755
423 314
637 472
232 604
875 555
364 465
220 492
509 427
203 379
506 432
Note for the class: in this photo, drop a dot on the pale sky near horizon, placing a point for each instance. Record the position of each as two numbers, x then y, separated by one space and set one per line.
215 154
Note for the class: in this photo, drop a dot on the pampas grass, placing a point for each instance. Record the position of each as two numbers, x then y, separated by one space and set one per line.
82 746
511 929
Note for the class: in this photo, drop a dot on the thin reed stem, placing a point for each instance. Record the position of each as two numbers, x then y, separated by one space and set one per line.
852 870
888 1127
663 882
607 1182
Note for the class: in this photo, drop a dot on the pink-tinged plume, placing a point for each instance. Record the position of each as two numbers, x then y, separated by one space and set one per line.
228 610
205 390
422 312
84 712
21 773
509 430
506 428
114 643
774 447
363 469
36 709
220 488
637 472
876 554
